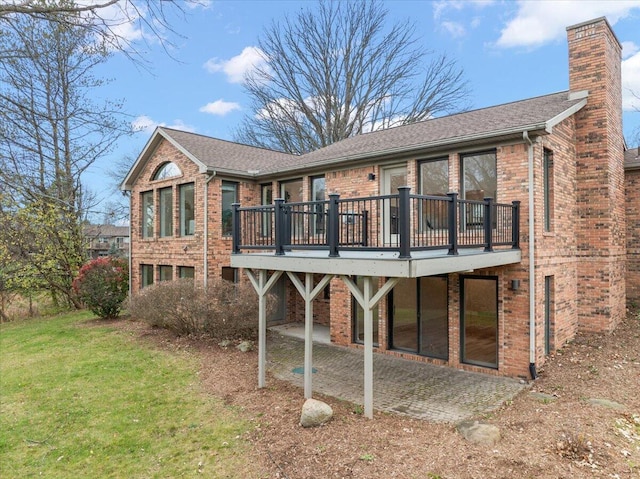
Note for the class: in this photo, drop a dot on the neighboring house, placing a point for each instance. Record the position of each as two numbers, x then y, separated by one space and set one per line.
459 282
105 240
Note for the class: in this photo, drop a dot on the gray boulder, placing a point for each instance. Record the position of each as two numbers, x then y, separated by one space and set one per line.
479 433
245 346
315 413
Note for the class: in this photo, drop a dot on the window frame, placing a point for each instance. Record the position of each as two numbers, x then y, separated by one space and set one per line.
146 272
162 270
548 179
147 214
166 206
318 223
165 171
183 269
226 222
186 228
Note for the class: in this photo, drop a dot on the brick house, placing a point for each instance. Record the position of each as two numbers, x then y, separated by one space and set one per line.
416 241
105 240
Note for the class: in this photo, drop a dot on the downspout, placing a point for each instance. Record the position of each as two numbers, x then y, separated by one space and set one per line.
532 266
130 246
205 249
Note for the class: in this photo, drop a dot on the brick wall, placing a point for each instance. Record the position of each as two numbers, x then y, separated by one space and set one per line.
632 187
594 65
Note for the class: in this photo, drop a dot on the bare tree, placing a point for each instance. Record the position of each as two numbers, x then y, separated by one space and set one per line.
107 20
339 71
51 131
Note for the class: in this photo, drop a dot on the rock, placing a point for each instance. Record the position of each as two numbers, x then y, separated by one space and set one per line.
315 413
543 397
225 344
479 433
245 346
606 403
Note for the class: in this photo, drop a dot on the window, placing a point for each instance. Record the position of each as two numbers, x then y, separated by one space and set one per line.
357 314
229 197
479 176
434 181
146 275
479 181
266 198
291 191
318 194
230 274
146 200
166 273
186 272
167 170
548 189
166 212
479 317
548 313
187 213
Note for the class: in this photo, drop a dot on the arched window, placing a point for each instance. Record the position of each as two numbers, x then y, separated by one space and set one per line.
167 170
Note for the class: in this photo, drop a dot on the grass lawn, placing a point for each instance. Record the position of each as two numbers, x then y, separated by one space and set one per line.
80 402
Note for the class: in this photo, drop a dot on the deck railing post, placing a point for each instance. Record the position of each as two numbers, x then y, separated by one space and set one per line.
404 221
235 228
515 225
453 223
488 224
279 226
333 228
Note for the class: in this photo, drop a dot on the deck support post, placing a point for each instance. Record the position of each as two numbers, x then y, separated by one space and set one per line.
262 285
367 302
308 293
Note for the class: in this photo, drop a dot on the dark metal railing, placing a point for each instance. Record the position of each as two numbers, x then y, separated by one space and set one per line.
401 222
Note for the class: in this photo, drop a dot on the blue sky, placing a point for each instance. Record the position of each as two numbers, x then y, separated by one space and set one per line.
509 50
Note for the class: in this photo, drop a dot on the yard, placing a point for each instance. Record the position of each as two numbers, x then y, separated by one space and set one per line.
84 398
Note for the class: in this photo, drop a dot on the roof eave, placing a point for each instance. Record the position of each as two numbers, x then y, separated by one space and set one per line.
559 118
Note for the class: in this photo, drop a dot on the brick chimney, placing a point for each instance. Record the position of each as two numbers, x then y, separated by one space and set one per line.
595 66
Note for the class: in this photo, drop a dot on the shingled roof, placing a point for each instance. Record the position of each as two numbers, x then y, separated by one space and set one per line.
538 114
535 115
632 158
223 155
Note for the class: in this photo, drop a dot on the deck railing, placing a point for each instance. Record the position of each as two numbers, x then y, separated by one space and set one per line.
402 222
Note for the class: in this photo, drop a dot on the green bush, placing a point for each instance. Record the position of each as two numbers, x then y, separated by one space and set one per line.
102 285
223 311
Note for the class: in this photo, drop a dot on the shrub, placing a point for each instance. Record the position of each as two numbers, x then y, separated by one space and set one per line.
223 311
102 285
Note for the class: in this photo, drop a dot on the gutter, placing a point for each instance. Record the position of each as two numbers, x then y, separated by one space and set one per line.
205 249
532 266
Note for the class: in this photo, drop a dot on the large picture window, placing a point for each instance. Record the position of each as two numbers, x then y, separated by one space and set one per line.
479 176
266 198
187 210
434 181
146 200
548 189
166 212
229 197
479 317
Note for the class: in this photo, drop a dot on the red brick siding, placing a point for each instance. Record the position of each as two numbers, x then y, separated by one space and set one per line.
594 65
632 186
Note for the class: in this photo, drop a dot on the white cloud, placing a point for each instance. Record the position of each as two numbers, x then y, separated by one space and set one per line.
454 28
537 23
146 124
238 67
629 49
631 83
220 107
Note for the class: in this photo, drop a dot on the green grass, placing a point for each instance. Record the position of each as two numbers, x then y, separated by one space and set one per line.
82 401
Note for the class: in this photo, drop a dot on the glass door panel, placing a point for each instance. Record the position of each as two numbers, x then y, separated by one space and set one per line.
480 321
404 321
434 321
